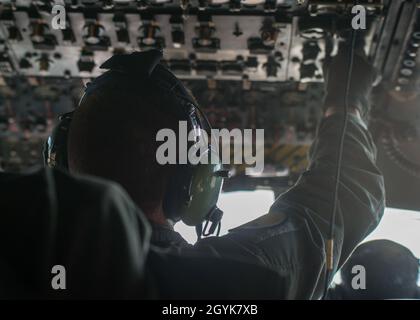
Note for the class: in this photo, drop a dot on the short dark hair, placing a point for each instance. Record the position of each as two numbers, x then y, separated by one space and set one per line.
391 271
113 135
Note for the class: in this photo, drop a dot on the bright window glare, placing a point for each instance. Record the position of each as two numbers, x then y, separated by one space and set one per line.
238 208
401 226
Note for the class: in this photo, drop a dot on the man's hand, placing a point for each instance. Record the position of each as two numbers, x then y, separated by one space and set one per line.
363 77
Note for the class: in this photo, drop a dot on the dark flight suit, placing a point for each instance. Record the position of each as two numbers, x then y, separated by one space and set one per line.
88 225
281 255
93 229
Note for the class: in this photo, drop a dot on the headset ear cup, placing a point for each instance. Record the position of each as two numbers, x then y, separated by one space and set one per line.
193 190
205 188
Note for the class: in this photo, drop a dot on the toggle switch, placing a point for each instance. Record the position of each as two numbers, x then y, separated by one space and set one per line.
150 38
39 29
44 63
121 28
269 33
271 67
310 51
205 39
14 34
93 32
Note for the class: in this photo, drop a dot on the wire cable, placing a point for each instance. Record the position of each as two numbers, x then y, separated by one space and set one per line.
330 240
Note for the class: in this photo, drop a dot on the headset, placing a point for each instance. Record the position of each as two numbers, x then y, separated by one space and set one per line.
193 189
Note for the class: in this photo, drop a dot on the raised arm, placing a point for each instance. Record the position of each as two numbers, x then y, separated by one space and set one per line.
287 246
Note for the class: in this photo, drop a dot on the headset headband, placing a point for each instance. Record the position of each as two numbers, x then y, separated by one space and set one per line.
143 69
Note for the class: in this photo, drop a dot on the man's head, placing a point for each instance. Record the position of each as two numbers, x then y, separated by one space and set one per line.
113 135
391 271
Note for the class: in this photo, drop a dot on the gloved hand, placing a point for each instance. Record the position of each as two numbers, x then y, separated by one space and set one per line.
363 77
